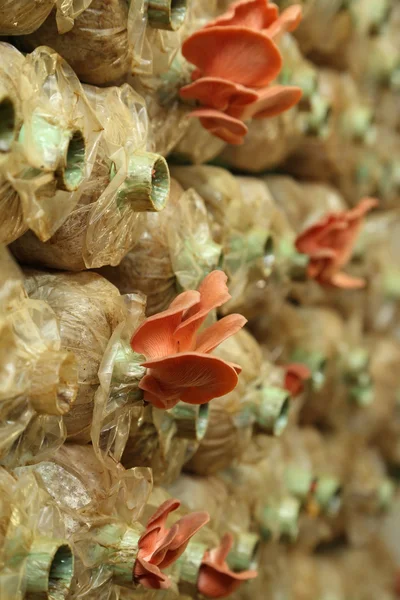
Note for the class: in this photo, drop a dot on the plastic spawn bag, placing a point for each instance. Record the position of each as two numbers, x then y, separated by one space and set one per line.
211 492
38 376
303 203
161 72
154 441
333 150
35 557
111 39
228 514
125 181
368 496
23 17
311 336
88 308
173 252
317 156
259 255
313 576
11 63
96 47
86 488
167 113
316 342
363 400
118 400
100 504
247 236
258 480
42 176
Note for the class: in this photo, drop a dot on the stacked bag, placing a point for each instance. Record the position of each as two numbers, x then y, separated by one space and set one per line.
199 288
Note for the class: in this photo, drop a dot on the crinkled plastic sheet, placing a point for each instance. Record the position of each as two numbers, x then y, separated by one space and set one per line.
243 234
89 495
167 113
199 492
198 145
88 309
118 400
217 187
39 377
86 488
108 40
153 442
96 47
24 16
53 108
193 252
303 203
103 227
153 50
11 62
28 513
174 251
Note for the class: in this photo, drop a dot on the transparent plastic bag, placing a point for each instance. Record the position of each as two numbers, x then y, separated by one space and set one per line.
34 554
56 145
99 503
89 309
110 40
125 181
173 252
97 45
303 203
118 399
85 488
23 17
38 376
154 441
